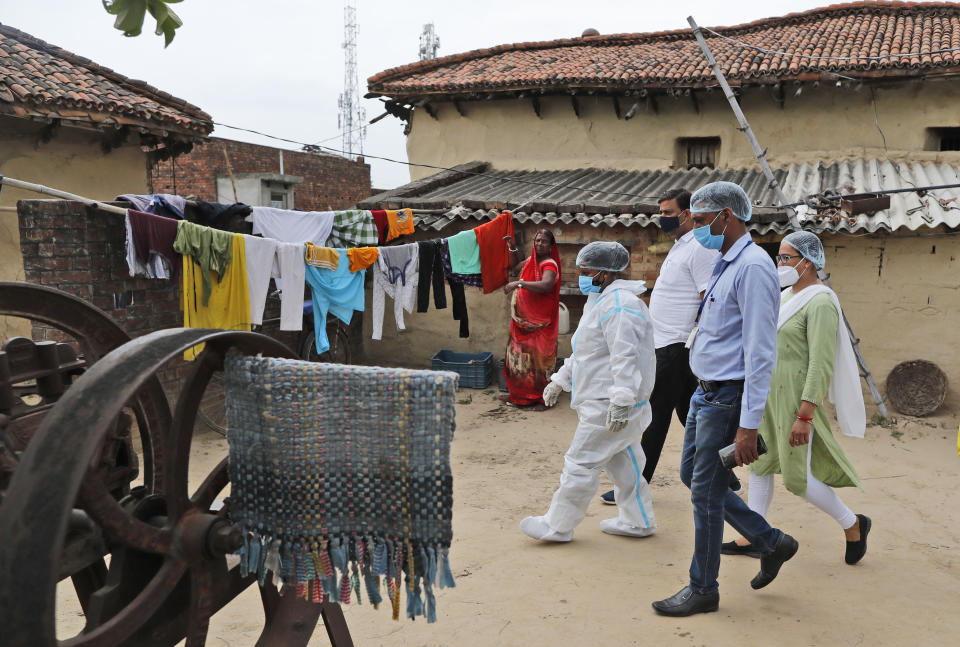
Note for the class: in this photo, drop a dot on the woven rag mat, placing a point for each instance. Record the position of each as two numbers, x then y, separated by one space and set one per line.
341 475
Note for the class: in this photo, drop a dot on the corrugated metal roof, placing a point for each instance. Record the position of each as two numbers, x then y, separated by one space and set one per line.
615 197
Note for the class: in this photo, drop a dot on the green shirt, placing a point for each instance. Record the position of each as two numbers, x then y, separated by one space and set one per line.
806 345
210 249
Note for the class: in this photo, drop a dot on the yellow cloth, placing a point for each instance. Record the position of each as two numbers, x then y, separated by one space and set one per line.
229 305
399 223
362 257
324 257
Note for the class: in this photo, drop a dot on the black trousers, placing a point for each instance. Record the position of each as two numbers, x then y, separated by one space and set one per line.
672 390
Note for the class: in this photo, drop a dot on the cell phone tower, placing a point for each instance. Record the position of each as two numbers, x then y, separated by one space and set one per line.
353 118
429 42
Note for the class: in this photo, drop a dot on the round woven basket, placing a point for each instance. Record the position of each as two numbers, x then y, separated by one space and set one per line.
916 388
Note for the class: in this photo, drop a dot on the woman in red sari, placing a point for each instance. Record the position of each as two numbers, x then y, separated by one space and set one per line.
532 349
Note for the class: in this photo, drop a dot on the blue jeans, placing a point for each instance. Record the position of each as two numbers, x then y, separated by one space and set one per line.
712 423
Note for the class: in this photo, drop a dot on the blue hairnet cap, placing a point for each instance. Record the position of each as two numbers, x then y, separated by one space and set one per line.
718 196
603 255
808 246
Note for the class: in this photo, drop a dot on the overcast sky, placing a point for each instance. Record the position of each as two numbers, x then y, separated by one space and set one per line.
276 66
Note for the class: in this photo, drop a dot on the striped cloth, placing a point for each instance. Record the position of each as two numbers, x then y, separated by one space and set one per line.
353 228
340 475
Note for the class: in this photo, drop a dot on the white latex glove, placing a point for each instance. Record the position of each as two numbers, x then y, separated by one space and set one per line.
617 416
551 393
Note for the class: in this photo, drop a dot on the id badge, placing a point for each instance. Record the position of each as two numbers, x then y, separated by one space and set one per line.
693 334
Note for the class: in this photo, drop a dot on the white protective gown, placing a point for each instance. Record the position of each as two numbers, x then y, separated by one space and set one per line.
613 361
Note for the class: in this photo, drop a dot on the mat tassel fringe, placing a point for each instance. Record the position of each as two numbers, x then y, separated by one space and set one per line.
341 475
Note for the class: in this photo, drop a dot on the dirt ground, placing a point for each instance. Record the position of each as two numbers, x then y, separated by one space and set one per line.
597 590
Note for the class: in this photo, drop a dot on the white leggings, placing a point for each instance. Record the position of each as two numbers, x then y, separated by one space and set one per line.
760 495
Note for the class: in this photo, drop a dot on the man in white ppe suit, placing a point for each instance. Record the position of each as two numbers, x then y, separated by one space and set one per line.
610 376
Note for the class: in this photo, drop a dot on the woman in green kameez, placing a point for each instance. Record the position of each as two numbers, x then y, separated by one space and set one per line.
814 356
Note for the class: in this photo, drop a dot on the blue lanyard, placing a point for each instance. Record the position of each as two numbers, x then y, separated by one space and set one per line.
717 280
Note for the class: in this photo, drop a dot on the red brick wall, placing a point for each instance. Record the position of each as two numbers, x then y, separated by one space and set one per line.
329 182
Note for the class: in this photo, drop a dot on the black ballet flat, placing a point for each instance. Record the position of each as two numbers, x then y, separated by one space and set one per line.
857 549
733 548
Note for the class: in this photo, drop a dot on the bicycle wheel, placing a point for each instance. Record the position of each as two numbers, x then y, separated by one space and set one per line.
212 411
339 351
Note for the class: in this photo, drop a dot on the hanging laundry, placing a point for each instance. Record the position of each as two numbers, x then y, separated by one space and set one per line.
293 226
395 274
225 217
210 248
227 306
380 220
399 223
475 280
152 237
324 257
362 257
268 258
159 204
457 295
494 257
353 229
156 269
338 292
149 247
260 254
431 272
464 253
289 271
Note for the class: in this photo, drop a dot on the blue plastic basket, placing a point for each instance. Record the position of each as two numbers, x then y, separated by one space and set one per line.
475 369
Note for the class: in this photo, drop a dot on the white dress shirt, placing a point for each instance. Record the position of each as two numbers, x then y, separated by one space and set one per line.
685 273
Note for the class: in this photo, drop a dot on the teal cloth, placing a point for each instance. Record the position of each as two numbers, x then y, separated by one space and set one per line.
464 253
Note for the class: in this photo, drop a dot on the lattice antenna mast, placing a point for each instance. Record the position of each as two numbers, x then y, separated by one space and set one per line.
429 42
353 118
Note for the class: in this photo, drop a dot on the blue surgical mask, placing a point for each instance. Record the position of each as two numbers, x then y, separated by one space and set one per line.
707 239
587 286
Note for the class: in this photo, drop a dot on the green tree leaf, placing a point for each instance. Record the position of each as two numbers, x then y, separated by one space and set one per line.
131 13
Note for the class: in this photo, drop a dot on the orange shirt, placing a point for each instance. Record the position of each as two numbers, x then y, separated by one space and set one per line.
362 257
494 256
399 223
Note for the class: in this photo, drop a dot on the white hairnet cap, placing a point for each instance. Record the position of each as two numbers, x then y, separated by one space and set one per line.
717 196
603 255
808 246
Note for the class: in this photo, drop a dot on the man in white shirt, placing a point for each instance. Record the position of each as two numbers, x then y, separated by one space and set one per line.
676 297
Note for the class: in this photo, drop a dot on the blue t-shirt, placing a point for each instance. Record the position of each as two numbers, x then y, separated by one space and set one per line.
338 292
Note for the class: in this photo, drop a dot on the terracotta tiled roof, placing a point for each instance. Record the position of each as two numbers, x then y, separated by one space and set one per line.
39 79
672 59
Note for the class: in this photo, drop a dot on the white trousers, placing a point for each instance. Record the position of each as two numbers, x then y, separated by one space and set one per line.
760 495
593 450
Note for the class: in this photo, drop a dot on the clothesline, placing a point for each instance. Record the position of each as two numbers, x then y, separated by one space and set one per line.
475 257
97 204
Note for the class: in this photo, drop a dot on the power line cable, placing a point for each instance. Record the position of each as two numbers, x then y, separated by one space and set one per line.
444 168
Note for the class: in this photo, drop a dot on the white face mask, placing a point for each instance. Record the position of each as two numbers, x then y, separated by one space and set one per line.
788 275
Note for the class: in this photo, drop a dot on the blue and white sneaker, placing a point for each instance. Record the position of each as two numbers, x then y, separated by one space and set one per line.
607 497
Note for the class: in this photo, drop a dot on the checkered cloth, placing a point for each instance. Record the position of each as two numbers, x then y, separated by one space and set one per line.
340 473
353 228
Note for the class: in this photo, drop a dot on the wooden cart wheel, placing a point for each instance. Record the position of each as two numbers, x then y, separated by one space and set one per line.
96 335
168 568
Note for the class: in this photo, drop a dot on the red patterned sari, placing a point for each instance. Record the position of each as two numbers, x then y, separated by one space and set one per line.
532 349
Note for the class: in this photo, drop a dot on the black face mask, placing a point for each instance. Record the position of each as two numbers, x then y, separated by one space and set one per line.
669 223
